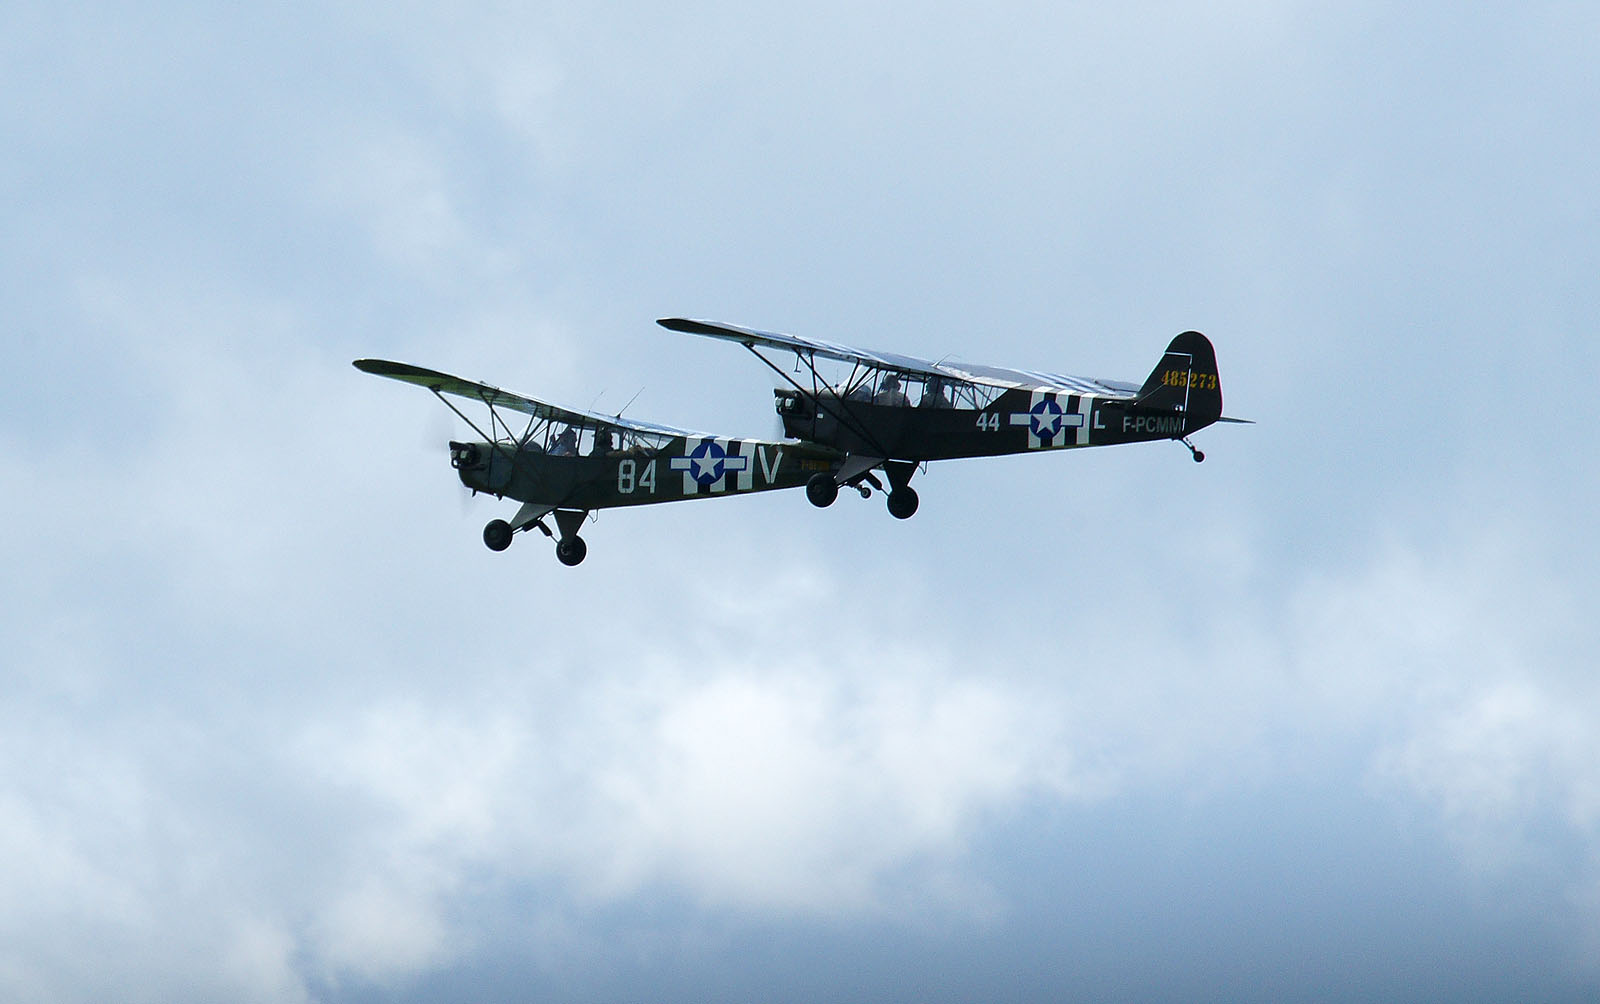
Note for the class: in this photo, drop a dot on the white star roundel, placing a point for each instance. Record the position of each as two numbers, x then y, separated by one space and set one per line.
707 463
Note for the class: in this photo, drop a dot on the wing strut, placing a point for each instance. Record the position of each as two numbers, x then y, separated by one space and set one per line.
531 514
495 421
841 415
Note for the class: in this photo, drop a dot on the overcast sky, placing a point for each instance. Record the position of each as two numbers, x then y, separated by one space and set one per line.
1317 719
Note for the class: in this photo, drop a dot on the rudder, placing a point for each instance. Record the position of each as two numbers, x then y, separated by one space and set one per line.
1186 380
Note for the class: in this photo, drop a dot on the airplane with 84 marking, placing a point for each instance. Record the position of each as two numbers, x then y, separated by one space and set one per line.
891 413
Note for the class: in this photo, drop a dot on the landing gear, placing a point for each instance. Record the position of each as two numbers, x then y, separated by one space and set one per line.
902 497
1199 457
867 482
497 535
821 490
570 550
903 502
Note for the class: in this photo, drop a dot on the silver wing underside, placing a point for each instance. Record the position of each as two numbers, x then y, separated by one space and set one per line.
494 397
992 376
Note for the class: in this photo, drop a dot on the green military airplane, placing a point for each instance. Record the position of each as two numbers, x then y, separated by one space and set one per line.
899 412
565 464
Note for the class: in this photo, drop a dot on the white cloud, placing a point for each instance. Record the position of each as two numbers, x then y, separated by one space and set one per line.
1504 760
766 788
784 788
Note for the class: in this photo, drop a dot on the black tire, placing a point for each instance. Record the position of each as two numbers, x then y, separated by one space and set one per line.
497 535
903 502
822 490
1199 457
571 550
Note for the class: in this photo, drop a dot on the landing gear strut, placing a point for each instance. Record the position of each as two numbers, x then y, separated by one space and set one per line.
823 488
902 497
570 549
1199 457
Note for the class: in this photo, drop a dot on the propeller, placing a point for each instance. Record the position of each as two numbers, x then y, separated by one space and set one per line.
441 428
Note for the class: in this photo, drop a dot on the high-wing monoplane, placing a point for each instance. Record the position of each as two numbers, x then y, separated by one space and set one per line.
895 413
890 412
565 464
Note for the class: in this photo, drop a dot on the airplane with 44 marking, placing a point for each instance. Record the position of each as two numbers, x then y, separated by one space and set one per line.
889 413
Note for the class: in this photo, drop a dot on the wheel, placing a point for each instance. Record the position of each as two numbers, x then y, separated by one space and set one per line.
822 490
903 502
570 550
1199 457
497 534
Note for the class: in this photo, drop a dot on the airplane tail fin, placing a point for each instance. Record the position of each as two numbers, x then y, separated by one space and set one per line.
1186 380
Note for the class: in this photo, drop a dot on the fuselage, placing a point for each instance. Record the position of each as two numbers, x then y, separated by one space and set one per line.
685 468
1015 421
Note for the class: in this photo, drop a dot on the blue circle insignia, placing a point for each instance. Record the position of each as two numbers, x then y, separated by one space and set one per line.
705 463
1046 417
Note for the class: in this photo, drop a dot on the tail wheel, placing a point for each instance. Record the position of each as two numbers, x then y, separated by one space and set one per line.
903 502
822 490
571 550
497 535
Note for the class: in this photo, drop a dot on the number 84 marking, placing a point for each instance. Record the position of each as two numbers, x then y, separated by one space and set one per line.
629 477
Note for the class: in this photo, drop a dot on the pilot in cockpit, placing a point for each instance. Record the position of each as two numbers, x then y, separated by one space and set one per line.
933 395
889 392
566 444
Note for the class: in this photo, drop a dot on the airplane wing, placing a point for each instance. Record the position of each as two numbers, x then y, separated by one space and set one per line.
494 397
804 346
993 376
999 376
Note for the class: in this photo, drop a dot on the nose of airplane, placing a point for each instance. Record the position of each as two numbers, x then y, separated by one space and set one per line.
483 467
465 456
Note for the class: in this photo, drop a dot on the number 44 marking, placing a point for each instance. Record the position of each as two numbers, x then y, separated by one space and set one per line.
989 422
